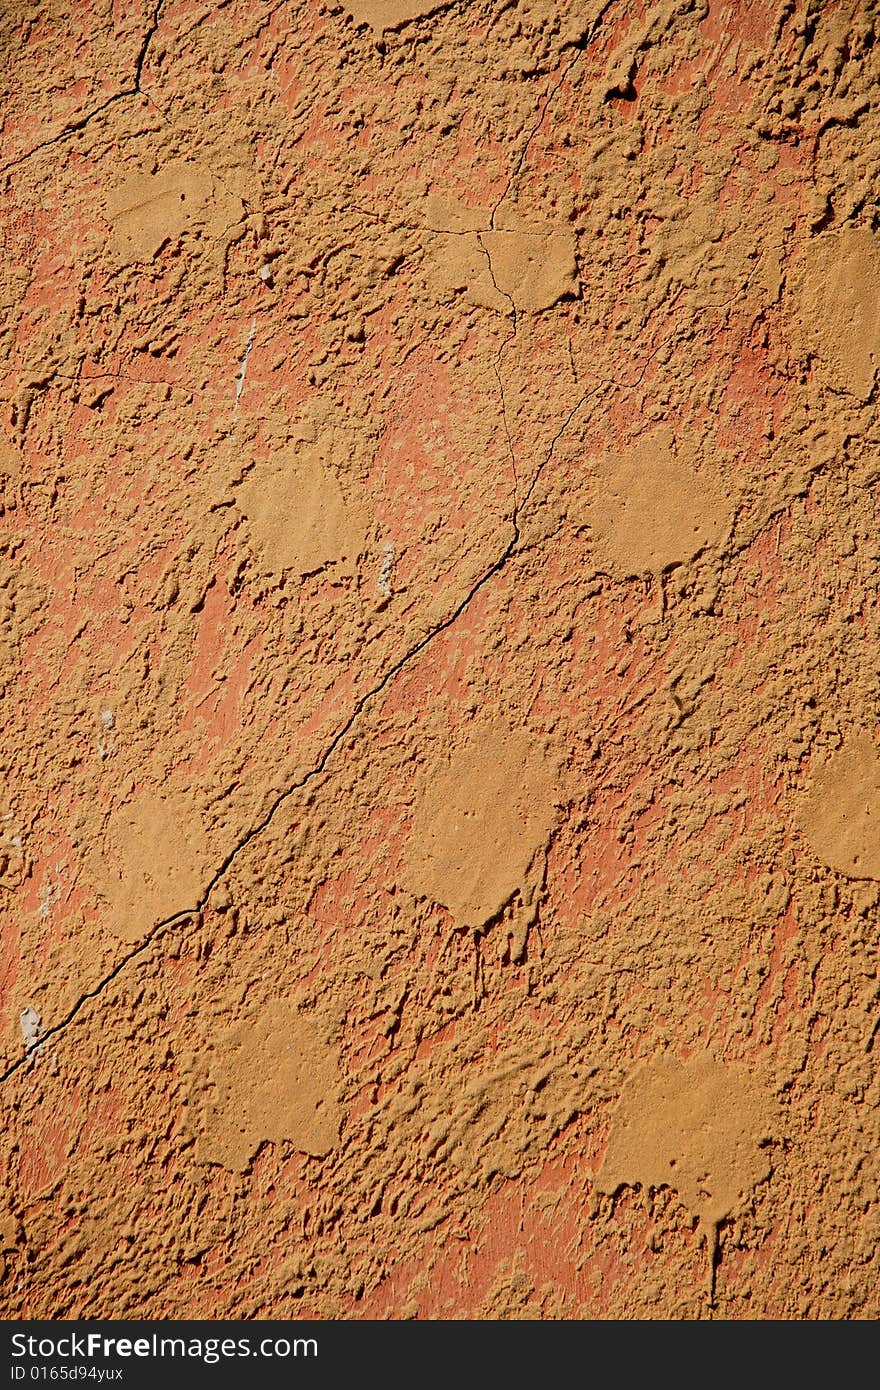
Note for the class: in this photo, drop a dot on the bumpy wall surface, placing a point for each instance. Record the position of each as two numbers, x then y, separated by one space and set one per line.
440 824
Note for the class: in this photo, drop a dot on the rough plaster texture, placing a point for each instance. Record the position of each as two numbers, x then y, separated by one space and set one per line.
439 659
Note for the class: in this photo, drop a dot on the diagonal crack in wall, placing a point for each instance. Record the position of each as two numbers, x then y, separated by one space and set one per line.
186 913
488 574
75 126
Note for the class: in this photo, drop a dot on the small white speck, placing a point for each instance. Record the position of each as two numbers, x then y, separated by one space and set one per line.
242 372
48 895
107 718
31 1029
385 572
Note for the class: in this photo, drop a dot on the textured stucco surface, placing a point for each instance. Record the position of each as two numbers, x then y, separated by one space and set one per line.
439 659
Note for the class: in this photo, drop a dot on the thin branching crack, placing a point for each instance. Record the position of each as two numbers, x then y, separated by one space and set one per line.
514 174
512 546
75 126
585 43
496 365
185 914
